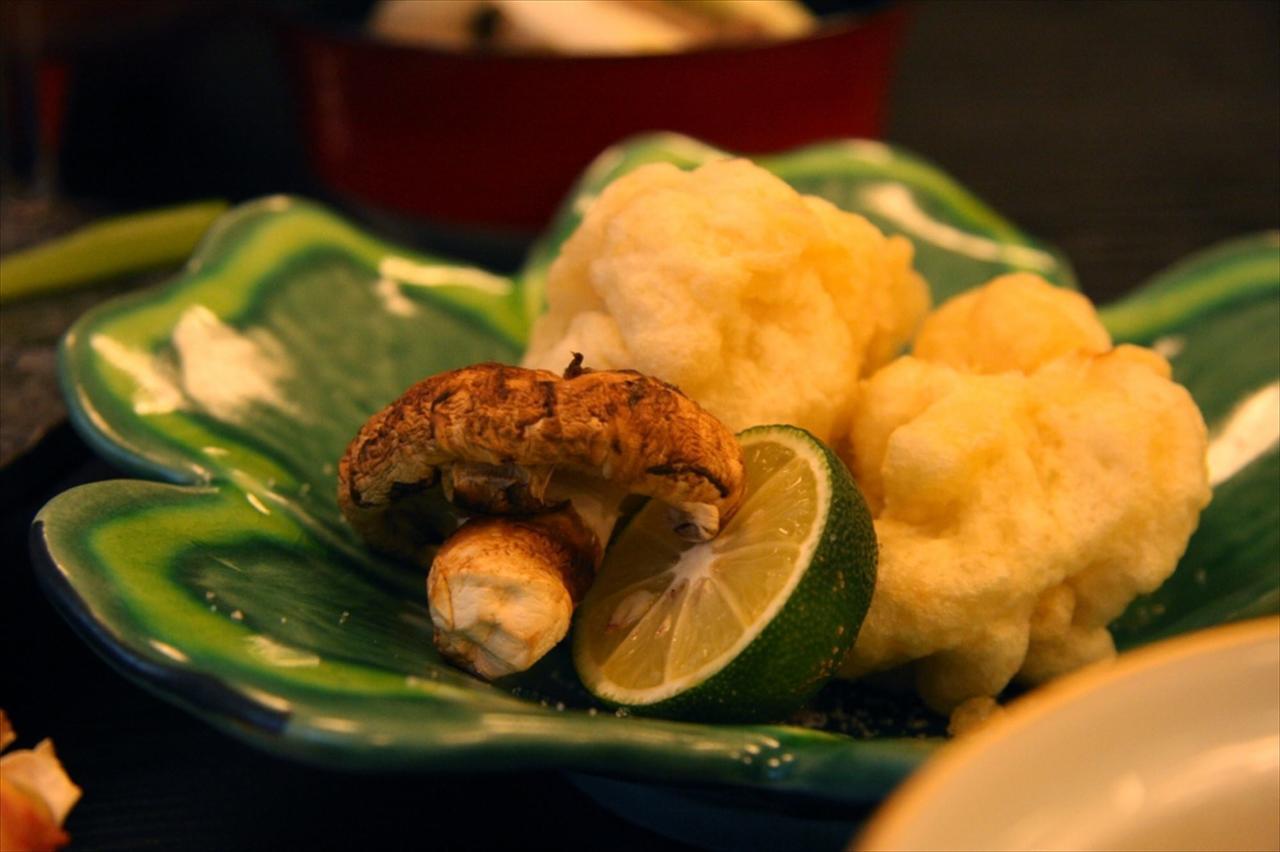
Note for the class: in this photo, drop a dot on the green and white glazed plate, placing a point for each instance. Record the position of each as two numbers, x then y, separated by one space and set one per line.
224 580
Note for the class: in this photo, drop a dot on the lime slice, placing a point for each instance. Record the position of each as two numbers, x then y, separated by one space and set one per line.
749 625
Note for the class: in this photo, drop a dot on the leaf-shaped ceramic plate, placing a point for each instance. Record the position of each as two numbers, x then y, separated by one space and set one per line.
231 587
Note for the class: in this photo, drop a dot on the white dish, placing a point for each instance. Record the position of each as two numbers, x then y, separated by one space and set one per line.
1175 746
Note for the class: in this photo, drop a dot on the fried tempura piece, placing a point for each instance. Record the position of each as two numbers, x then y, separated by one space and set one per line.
759 302
1027 482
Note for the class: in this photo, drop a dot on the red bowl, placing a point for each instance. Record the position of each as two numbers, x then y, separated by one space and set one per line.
496 141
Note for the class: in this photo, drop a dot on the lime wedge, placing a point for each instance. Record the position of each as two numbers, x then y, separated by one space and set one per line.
745 627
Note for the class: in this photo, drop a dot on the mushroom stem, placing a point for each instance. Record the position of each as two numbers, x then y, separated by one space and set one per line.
502 589
597 502
548 460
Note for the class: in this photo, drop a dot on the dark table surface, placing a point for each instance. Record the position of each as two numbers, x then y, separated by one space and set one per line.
1129 134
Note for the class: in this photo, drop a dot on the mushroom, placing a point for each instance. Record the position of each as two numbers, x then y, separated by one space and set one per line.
541 463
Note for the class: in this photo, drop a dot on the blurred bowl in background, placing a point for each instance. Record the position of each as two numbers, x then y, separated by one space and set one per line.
495 141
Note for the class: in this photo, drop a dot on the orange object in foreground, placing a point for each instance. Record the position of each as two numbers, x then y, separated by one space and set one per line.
35 796
25 821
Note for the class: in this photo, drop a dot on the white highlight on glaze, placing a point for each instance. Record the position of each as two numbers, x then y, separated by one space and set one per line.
276 203
169 651
266 699
224 369
276 654
604 164
426 683
156 388
1170 346
220 368
896 203
335 723
257 503
1129 793
1249 432
393 298
405 271
871 151
227 563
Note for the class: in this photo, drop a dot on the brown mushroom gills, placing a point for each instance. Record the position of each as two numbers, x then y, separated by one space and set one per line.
521 446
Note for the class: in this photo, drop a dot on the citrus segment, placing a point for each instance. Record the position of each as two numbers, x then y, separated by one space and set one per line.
750 622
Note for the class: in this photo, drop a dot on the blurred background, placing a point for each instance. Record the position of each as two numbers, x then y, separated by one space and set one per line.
1127 134
1061 115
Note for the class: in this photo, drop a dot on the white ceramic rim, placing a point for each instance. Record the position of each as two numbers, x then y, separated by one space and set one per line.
889 826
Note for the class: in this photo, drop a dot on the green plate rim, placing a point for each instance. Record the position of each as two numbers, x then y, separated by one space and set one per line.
825 766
